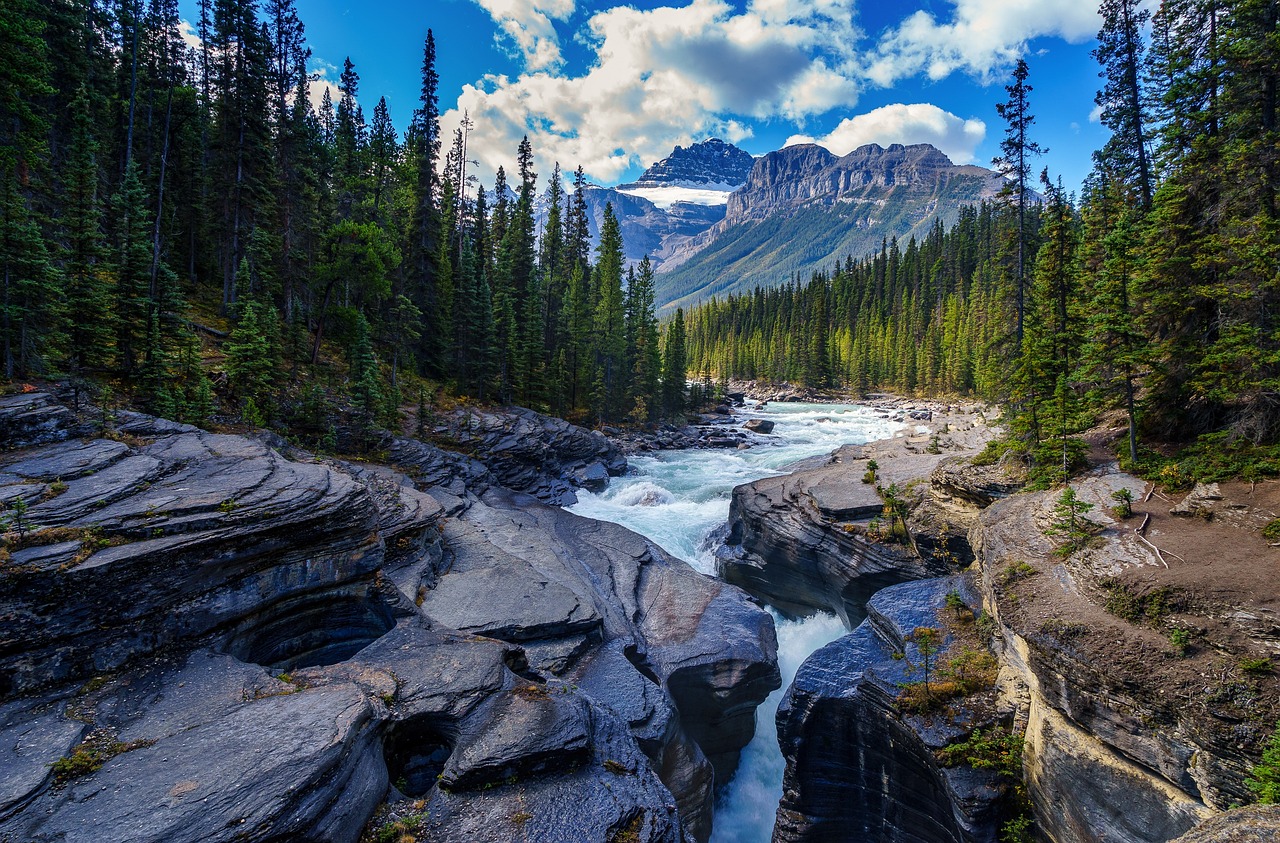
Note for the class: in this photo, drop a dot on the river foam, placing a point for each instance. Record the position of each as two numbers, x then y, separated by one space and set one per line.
677 499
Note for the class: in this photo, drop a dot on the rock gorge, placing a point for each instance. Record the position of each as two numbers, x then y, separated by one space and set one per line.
213 637
1122 737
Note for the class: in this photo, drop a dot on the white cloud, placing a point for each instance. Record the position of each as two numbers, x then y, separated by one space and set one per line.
665 76
1095 116
982 38
906 124
528 25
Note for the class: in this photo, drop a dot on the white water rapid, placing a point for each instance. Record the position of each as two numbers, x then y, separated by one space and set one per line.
676 499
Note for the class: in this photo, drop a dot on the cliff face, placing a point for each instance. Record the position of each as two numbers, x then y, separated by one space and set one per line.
857 768
206 640
1130 738
1127 735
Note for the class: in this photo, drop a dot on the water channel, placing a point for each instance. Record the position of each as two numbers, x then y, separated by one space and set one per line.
677 499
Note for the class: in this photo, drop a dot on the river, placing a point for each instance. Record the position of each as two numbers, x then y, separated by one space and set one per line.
676 499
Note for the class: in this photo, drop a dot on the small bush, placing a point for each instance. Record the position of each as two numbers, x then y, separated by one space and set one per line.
1181 640
1015 571
1264 778
999 750
1124 504
1123 602
1256 666
1271 532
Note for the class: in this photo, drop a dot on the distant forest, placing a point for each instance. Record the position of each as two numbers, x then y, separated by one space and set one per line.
182 227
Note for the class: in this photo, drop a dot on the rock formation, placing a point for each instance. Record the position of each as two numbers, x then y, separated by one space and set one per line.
857 767
206 640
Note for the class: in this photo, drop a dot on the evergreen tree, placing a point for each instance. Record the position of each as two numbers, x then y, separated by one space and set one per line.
1016 153
609 323
88 289
674 366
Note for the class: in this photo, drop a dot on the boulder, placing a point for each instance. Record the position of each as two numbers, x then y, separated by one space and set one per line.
758 425
529 452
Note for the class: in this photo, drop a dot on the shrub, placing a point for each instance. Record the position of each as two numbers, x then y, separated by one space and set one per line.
1069 523
1264 778
1124 503
1180 639
1255 666
1271 532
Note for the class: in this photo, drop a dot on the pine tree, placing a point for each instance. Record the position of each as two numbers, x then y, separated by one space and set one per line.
1124 104
87 284
674 367
1016 152
253 363
608 322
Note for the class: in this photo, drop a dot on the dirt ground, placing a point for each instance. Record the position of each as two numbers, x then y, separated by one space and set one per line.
1185 608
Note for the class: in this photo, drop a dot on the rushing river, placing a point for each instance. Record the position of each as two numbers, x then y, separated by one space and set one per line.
677 499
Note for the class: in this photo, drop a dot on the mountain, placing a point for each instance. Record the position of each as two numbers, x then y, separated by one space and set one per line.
802 208
702 174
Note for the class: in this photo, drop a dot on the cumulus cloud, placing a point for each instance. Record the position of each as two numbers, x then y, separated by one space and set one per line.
982 38
906 124
527 24
666 76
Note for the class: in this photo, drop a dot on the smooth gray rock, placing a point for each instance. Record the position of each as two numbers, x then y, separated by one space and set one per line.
758 425
263 642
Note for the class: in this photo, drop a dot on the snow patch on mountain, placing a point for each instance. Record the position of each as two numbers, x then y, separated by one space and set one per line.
690 193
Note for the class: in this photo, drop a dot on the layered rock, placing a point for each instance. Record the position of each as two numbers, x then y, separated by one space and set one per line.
858 768
804 542
204 640
1124 741
529 452
711 163
1242 825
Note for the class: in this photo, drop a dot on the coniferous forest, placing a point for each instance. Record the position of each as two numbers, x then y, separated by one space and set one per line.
1153 293
181 226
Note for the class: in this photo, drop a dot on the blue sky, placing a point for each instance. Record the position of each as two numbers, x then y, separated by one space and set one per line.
615 87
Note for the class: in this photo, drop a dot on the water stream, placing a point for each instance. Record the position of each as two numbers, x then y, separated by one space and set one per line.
676 499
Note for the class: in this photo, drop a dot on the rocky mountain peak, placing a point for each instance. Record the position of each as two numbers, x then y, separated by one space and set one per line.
709 163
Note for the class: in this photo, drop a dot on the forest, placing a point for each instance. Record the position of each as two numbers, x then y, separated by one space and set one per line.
1152 294
182 230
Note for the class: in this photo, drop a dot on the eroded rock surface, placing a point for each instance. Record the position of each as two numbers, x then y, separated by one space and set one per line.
857 767
205 640
529 452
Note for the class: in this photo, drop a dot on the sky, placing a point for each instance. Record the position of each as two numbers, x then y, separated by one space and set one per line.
614 88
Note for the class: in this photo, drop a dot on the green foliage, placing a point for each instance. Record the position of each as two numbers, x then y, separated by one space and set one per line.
1181 640
999 750
1069 523
1256 666
1124 503
1271 532
1264 778
1123 601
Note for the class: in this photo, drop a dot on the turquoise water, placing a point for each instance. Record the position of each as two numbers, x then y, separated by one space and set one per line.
677 499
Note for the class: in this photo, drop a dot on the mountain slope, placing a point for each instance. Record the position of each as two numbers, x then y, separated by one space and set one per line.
803 208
